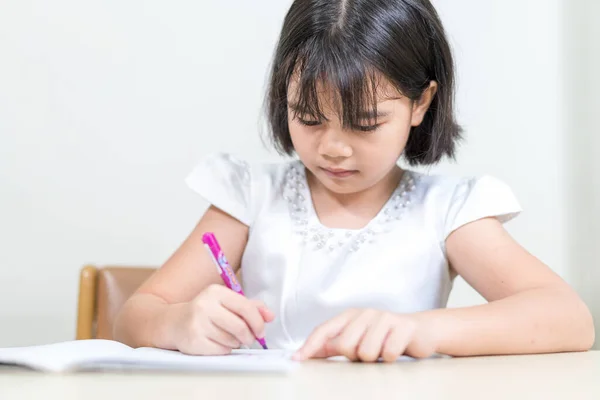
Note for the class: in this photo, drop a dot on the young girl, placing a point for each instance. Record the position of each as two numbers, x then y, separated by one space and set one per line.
341 251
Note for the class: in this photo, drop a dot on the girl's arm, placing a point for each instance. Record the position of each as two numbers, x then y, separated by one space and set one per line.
530 309
159 308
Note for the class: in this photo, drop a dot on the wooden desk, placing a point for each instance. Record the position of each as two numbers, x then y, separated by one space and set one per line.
557 376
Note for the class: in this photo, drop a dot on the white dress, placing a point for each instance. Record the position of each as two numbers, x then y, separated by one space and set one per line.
307 273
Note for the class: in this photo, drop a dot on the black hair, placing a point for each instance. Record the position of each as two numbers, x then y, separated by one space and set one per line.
348 44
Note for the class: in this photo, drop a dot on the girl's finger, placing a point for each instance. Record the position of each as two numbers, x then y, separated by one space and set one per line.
213 348
204 346
396 343
346 343
314 347
222 337
266 313
245 309
226 320
371 345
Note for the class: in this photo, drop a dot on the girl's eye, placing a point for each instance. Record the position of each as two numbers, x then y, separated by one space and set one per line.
308 123
361 128
369 128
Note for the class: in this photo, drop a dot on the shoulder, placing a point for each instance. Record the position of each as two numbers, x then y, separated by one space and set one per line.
458 200
236 185
227 165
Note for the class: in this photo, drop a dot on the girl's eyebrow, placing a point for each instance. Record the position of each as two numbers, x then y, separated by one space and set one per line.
371 114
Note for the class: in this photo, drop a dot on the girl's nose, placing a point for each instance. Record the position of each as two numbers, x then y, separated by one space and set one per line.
334 145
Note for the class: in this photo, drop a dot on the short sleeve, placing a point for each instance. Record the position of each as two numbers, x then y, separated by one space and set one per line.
478 198
224 182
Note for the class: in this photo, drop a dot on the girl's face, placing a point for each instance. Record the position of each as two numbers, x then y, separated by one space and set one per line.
352 160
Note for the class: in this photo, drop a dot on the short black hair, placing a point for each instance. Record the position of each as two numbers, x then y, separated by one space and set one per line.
351 42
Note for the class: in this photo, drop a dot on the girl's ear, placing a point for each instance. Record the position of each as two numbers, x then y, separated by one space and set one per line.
421 105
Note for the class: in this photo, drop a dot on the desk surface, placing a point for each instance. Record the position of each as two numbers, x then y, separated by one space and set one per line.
555 376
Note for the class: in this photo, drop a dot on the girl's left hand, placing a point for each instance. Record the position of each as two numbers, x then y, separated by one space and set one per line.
367 335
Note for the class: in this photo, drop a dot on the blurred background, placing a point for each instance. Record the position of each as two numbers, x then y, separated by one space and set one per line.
106 106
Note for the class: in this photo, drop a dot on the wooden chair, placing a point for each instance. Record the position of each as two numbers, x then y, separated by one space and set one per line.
102 292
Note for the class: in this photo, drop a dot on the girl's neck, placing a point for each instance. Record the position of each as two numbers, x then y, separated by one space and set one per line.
351 210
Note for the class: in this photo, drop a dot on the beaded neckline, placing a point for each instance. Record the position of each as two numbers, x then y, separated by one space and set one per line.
315 235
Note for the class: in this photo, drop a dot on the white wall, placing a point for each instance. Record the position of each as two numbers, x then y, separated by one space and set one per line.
582 63
510 100
105 107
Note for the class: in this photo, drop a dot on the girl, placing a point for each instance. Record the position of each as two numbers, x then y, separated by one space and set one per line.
341 251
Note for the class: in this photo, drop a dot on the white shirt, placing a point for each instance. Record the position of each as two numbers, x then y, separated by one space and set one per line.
307 273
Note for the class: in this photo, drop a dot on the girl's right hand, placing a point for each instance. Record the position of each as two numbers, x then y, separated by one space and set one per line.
217 321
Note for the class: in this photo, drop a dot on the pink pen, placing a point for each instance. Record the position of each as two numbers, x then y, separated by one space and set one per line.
210 241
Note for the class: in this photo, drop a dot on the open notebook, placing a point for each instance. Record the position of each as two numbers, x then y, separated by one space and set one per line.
97 354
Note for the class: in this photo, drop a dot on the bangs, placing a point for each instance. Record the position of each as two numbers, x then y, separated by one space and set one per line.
322 70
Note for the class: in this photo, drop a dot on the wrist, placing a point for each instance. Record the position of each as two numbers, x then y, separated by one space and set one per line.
166 326
435 326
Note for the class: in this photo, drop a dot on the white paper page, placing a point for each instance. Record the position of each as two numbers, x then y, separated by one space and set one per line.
238 361
63 356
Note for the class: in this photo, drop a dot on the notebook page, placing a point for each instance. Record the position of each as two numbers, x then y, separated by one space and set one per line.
238 361
63 356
